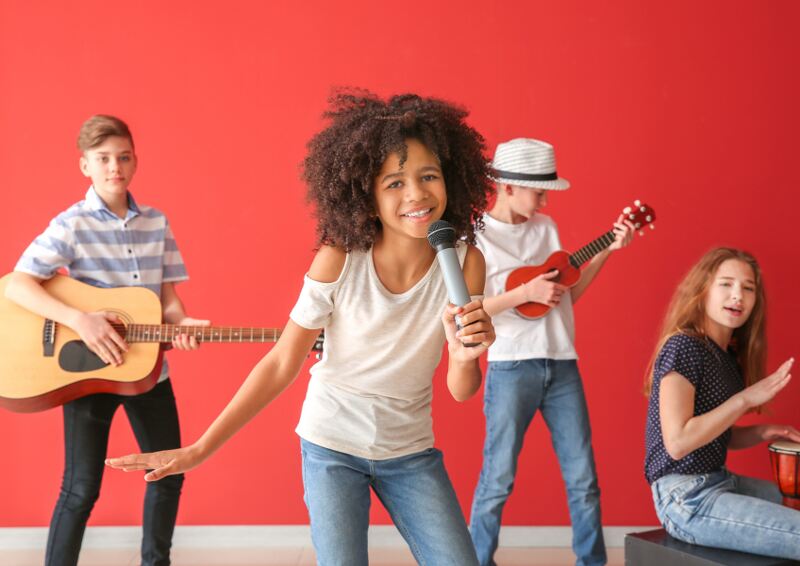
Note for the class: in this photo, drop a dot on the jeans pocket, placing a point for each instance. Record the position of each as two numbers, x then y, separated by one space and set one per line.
505 366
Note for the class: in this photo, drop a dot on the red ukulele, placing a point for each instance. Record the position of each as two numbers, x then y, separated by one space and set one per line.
568 266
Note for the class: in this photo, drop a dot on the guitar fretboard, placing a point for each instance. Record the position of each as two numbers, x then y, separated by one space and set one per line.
168 332
591 249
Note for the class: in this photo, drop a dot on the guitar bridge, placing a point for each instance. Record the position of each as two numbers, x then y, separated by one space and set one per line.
49 338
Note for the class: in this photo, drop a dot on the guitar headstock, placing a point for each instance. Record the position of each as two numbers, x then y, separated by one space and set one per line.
640 215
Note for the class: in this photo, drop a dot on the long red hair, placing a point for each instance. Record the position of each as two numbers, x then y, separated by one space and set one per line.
687 315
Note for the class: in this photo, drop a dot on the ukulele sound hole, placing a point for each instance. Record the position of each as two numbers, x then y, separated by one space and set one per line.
75 356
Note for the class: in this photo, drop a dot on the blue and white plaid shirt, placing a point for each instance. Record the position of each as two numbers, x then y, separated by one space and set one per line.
101 249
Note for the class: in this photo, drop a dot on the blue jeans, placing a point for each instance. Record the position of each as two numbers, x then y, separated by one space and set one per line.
724 510
514 391
414 489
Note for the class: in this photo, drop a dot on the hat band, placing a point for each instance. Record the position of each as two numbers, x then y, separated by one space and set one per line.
525 176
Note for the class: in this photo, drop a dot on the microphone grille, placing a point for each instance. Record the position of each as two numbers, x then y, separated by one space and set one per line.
441 232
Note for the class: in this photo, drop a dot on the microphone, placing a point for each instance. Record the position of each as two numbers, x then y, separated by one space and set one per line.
442 238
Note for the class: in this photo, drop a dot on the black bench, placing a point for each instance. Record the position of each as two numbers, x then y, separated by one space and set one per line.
657 548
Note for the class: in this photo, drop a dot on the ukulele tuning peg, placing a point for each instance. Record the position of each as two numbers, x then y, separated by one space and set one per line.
652 226
641 208
641 232
626 210
648 218
637 202
637 225
631 216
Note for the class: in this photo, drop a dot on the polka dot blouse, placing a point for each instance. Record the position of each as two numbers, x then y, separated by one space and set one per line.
716 377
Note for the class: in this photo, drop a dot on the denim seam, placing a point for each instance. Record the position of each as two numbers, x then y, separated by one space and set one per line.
749 525
398 522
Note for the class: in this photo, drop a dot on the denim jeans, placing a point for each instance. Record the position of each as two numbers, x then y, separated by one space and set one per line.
414 489
154 420
514 391
724 510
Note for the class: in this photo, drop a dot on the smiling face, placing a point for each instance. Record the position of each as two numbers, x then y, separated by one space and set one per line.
410 197
730 298
111 166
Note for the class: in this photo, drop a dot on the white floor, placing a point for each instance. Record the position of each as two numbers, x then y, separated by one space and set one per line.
288 545
292 557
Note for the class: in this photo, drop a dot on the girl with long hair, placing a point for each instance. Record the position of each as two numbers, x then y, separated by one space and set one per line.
708 371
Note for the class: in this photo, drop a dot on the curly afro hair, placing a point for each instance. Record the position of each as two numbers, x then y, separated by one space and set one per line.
345 158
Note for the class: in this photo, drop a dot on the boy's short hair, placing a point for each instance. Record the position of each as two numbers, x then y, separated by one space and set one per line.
98 128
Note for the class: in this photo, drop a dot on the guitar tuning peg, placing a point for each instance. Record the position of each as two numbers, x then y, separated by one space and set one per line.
637 202
626 210
652 226
631 216
642 209
648 218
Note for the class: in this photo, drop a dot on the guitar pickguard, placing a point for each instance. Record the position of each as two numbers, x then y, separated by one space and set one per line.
76 357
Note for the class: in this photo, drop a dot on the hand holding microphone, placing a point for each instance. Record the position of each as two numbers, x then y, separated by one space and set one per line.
466 323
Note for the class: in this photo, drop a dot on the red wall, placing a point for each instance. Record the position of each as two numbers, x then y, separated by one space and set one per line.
687 105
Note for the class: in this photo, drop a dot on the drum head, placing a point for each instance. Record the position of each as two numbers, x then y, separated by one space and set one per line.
785 447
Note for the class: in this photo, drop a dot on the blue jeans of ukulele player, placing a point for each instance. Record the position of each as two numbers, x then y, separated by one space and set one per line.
414 489
725 510
514 392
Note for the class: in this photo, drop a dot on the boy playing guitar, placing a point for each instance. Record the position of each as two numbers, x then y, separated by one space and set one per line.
532 364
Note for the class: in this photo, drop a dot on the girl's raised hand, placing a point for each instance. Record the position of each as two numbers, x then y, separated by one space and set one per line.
476 328
162 464
763 391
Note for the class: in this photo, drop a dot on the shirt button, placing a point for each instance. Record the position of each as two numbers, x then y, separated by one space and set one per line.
135 276
130 251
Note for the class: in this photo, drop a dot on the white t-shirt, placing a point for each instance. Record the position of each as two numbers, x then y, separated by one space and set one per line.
507 247
370 394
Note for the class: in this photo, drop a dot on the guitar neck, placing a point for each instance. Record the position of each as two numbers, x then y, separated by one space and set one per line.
167 332
591 249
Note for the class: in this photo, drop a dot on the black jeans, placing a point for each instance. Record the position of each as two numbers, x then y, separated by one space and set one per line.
154 420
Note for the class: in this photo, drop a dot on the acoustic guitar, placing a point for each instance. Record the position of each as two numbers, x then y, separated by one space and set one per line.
568 265
44 364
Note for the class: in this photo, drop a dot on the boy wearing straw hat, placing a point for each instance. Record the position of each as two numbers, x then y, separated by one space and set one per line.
532 364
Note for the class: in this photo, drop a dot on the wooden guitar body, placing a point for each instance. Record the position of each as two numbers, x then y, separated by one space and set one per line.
567 276
34 379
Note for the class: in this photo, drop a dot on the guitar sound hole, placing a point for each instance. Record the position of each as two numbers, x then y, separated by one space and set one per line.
76 357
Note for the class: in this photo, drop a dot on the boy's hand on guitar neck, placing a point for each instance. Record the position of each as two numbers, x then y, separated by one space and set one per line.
96 331
184 341
541 289
623 231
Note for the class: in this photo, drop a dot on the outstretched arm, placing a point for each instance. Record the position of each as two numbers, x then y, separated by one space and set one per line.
274 373
265 382
683 432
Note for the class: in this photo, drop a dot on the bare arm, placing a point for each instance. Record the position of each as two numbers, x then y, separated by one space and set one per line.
274 373
683 433
173 312
588 273
463 371
623 231
93 328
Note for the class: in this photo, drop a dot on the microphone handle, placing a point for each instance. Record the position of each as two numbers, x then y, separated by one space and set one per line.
454 281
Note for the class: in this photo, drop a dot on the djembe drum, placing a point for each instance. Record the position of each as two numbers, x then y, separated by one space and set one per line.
785 458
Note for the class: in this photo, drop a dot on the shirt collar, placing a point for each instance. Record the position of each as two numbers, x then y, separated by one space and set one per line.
96 203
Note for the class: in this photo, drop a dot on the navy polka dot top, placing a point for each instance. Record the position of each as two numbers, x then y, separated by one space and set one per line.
716 377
